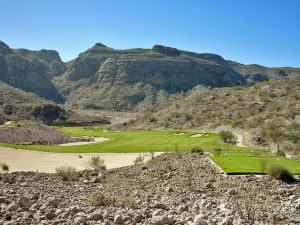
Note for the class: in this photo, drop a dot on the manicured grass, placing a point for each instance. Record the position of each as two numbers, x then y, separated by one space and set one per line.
252 164
133 141
232 159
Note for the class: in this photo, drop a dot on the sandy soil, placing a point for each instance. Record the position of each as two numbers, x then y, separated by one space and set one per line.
96 140
239 141
197 135
25 160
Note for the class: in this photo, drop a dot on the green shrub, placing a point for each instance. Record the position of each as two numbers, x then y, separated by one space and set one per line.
67 173
197 150
5 167
280 152
97 163
217 151
281 173
226 135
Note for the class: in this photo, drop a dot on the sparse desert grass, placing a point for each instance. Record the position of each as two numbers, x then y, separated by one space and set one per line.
66 173
97 163
111 199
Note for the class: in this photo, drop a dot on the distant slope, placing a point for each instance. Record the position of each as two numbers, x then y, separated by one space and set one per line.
270 109
254 72
137 79
31 70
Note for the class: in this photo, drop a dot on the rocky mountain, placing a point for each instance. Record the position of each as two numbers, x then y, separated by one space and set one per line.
256 73
107 78
137 79
31 71
50 58
16 104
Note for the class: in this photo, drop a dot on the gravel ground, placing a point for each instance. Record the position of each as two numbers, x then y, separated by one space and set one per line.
171 189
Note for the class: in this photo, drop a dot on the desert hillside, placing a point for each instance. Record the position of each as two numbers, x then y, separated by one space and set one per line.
269 110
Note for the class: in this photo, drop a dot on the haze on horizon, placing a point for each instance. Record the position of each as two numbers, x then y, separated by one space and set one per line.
262 32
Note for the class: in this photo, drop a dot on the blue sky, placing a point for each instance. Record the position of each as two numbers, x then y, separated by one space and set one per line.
266 32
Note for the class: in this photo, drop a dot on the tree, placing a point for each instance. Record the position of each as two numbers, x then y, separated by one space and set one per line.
226 136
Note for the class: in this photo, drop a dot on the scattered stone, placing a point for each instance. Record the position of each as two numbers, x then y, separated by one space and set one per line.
199 220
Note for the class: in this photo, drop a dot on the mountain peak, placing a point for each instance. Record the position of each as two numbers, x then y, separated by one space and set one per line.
4 49
100 45
166 50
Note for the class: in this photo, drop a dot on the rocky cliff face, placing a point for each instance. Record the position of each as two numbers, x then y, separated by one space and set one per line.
106 78
16 104
50 58
31 71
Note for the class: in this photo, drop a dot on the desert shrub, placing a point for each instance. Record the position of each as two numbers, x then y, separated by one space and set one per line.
294 137
280 152
281 173
67 173
273 130
153 119
255 122
188 116
226 135
139 160
236 122
264 165
4 167
112 199
291 147
217 151
198 150
97 163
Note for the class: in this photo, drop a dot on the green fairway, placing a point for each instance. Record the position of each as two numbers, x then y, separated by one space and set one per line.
133 141
232 159
252 164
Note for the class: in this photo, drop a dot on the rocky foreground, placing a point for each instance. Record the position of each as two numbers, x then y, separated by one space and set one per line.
171 189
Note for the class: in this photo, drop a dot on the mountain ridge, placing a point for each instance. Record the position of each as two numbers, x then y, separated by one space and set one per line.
137 79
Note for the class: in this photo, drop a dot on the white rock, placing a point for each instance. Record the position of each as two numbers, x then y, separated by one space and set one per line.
199 220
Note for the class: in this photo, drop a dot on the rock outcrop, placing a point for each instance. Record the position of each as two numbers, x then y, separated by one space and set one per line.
106 78
31 71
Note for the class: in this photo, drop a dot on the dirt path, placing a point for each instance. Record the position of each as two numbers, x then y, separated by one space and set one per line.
25 160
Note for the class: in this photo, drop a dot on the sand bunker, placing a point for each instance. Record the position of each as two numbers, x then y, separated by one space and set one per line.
197 135
26 160
96 140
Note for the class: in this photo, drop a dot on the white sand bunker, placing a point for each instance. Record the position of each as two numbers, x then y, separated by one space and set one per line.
179 134
197 135
96 140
